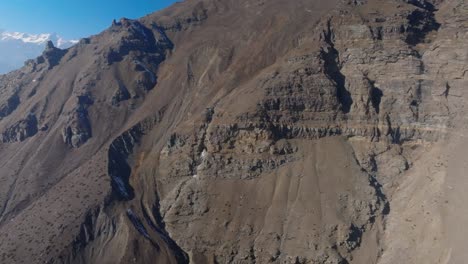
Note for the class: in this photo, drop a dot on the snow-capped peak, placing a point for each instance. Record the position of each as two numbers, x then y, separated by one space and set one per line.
17 47
65 43
26 38
39 39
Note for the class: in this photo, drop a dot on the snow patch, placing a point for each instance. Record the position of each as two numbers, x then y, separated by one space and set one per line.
204 154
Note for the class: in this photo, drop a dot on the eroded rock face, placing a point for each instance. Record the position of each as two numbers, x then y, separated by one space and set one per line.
21 130
78 128
122 94
230 132
9 105
121 150
78 132
9 99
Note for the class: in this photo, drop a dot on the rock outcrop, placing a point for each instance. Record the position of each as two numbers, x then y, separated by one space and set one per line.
21 130
9 105
78 128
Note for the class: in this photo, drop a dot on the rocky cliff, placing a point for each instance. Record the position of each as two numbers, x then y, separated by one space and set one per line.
248 131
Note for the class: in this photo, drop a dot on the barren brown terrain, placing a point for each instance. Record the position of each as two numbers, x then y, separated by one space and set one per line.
247 131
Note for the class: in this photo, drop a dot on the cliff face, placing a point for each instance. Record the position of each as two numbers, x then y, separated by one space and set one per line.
249 131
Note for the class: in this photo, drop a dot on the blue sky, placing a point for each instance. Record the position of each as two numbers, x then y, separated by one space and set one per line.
71 18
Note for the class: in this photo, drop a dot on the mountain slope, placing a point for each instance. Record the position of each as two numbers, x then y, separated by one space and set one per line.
250 131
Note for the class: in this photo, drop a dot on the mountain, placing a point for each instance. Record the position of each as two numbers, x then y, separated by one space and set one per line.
247 131
16 48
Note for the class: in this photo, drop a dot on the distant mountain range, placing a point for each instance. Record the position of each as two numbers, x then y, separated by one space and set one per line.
16 47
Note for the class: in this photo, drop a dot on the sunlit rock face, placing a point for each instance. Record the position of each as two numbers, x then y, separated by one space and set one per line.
243 131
